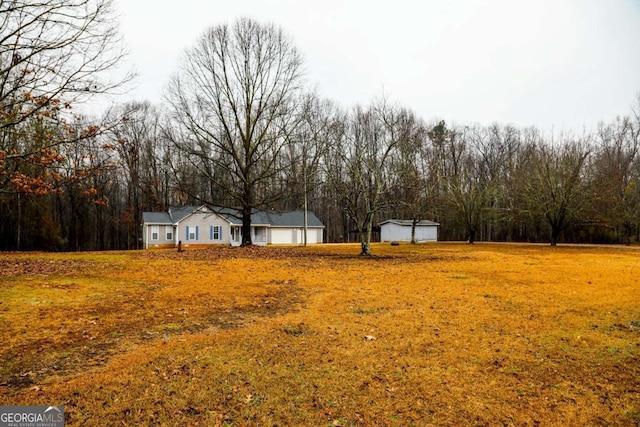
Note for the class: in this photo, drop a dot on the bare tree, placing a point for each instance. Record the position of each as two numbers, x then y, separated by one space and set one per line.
137 138
614 178
88 169
235 102
497 147
53 55
414 183
366 154
556 189
462 174
306 150
56 51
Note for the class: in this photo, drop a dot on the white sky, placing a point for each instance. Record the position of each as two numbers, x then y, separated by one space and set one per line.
561 64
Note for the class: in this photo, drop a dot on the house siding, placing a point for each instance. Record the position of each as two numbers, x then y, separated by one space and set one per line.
161 241
259 235
294 235
402 233
203 221
314 235
280 236
271 228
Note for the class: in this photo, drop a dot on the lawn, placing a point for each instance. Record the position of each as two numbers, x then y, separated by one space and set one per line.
429 335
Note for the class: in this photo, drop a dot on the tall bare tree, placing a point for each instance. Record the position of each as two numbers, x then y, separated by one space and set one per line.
462 174
613 176
55 52
496 147
556 189
306 151
413 183
138 139
53 56
235 101
366 156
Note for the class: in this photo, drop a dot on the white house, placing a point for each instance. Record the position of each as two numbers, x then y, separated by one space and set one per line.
203 226
399 230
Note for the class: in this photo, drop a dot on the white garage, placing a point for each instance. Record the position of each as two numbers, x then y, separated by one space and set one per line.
294 235
287 228
399 230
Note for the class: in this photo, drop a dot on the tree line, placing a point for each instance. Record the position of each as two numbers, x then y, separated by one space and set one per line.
240 128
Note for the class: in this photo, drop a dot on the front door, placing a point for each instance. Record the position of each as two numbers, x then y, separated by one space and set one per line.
236 236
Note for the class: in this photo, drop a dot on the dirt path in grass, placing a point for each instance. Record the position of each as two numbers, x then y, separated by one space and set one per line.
428 335
64 317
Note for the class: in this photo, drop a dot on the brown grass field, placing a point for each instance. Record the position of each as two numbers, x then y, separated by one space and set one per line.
439 334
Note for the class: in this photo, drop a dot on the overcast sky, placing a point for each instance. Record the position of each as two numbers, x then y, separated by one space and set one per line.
560 64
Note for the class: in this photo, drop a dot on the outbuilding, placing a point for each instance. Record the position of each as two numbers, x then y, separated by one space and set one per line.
399 230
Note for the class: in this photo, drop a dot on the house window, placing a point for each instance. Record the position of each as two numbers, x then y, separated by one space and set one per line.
155 232
192 232
169 233
215 232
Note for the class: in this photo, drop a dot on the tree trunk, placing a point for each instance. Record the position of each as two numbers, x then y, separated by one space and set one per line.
413 231
472 236
555 235
628 230
304 237
246 226
365 236
557 224
365 249
247 208
19 225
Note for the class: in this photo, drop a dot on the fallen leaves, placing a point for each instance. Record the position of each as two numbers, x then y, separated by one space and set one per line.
18 265
320 336
79 313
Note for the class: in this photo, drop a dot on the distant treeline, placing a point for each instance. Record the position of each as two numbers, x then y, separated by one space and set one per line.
239 128
496 183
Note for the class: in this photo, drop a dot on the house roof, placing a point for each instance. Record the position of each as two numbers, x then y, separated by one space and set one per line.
291 219
273 219
156 218
178 213
409 222
265 218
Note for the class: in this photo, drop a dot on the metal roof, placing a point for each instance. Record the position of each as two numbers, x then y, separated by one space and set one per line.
234 216
156 218
409 222
289 219
178 213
